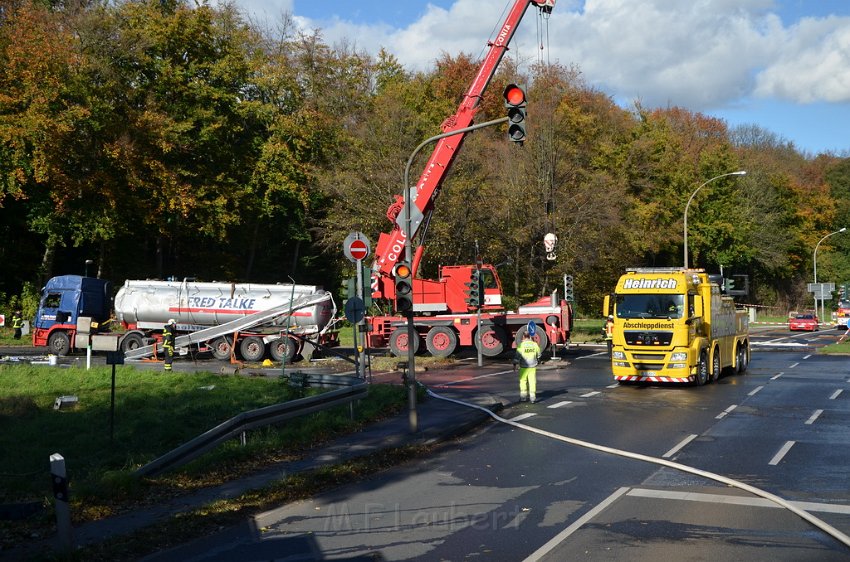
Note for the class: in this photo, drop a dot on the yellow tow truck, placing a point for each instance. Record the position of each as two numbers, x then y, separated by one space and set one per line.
674 325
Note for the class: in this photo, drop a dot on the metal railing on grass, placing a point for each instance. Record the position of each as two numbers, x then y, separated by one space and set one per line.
355 389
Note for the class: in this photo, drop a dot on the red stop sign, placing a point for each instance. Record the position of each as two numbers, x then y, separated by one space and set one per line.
358 249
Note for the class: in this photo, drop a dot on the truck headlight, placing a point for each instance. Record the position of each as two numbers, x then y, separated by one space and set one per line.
621 364
618 355
677 365
679 356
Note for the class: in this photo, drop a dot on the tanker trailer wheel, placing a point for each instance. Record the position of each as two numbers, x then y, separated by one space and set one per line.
539 336
252 348
59 343
702 370
491 341
283 349
441 341
132 341
399 342
221 348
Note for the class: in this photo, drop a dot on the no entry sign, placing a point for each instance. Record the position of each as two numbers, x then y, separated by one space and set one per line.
356 246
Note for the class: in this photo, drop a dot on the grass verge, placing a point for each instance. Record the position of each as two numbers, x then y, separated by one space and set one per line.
153 414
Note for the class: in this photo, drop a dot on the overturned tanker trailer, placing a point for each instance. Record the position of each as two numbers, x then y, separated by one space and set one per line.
144 307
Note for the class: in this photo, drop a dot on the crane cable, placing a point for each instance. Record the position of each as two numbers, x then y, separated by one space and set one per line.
819 523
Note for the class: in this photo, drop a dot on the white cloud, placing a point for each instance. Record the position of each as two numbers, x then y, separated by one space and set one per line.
812 65
702 54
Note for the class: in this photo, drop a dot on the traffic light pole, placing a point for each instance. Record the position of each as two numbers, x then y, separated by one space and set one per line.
408 252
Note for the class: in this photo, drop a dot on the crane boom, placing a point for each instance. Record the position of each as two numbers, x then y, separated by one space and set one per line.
390 247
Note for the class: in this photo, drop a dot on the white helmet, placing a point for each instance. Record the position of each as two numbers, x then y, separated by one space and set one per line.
610 317
172 321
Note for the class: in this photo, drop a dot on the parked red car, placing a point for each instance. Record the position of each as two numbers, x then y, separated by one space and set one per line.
803 323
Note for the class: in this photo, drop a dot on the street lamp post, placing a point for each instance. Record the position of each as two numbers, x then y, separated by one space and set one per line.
738 173
815 272
88 263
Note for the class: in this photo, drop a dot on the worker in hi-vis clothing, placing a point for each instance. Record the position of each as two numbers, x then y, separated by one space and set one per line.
527 355
168 336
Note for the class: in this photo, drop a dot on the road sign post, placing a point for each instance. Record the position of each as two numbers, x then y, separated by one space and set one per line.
356 248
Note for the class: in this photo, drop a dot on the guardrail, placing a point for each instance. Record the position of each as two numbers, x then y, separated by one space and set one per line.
259 418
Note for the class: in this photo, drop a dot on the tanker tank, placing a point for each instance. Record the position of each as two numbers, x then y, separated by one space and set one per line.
150 304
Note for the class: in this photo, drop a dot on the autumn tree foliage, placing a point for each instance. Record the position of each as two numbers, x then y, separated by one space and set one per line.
175 138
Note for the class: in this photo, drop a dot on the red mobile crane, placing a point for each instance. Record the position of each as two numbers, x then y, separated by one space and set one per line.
442 315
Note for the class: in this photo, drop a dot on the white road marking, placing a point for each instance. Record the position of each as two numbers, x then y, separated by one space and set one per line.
473 378
807 356
562 536
617 385
755 390
773 378
559 404
836 394
814 416
678 447
733 500
589 394
782 452
794 365
523 416
723 414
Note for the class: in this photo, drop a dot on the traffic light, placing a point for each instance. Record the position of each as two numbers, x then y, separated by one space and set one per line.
569 293
473 290
403 287
515 102
728 285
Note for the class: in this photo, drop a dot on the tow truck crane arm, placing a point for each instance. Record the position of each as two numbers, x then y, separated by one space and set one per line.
390 247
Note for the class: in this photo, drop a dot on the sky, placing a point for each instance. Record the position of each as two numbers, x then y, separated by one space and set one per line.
783 65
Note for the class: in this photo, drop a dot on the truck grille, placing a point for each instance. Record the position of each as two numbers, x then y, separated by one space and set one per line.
648 338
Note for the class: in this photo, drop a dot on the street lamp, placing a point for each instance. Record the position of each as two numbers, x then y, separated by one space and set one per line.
88 263
815 261
738 173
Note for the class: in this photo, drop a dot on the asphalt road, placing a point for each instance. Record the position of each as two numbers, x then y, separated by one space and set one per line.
538 488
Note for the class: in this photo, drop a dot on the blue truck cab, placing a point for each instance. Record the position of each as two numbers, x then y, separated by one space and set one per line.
64 300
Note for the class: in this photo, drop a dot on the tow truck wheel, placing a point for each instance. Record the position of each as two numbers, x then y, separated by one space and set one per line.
252 348
702 370
221 348
715 366
283 349
491 341
741 366
441 341
59 343
399 342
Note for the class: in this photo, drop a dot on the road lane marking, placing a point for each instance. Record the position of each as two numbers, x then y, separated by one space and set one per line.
523 416
794 365
563 535
782 452
678 447
589 394
755 390
617 385
723 414
814 416
773 378
806 357
802 514
836 394
473 378
559 404
733 500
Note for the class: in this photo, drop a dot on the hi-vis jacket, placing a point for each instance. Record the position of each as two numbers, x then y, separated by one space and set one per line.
527 354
